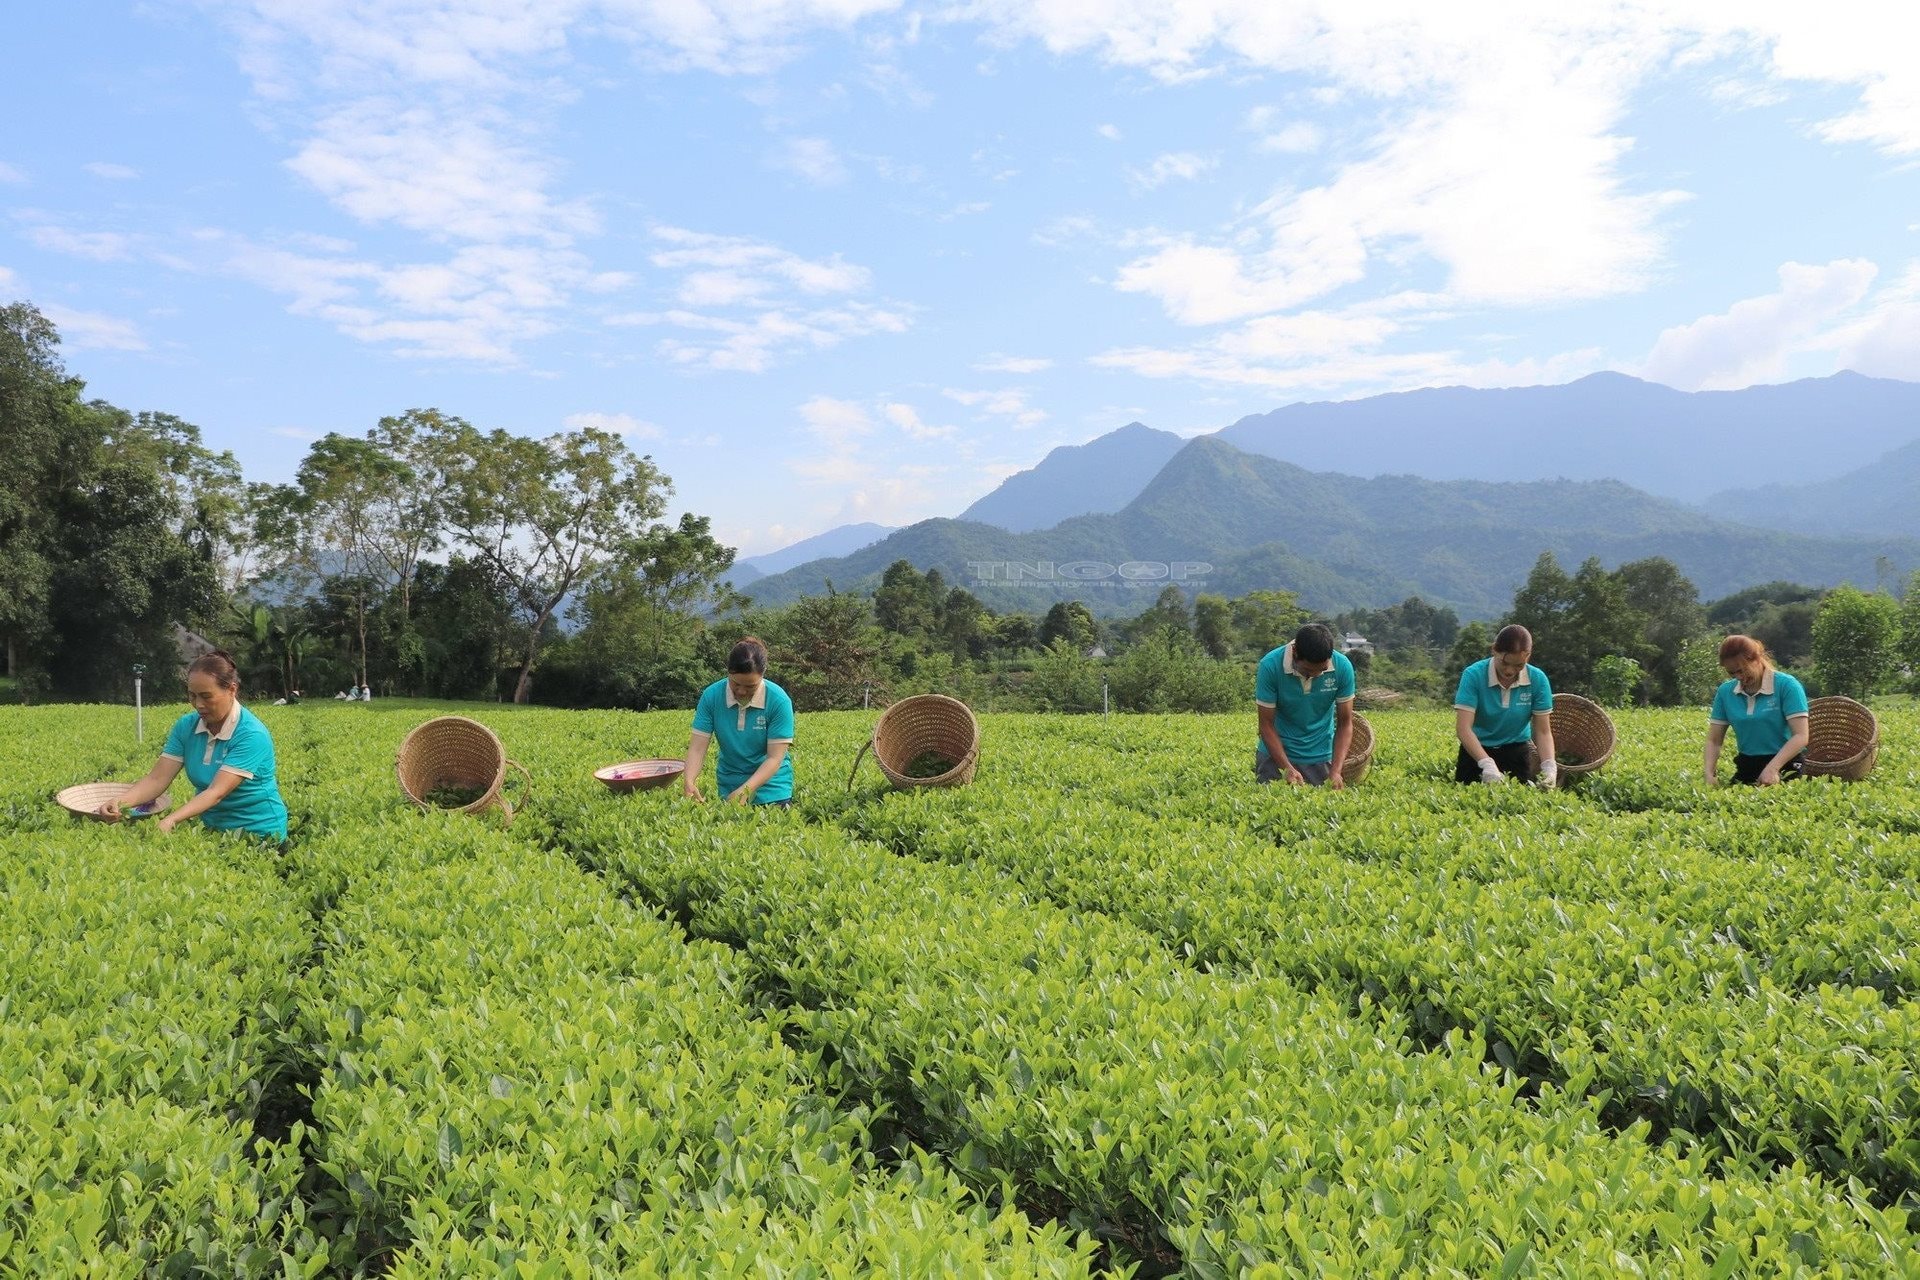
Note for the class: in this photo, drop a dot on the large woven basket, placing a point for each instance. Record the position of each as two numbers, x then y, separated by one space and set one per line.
1843 739
1581 727
84 801
455 752
927 723
1359 751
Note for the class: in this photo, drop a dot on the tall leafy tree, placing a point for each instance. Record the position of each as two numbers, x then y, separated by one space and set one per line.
827 649
544 515
1856 640
1668 608
1910 629
342 485
1267 619
1213 625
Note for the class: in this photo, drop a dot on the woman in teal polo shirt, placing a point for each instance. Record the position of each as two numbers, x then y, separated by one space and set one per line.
228 756
1503 708
752 719
1767 711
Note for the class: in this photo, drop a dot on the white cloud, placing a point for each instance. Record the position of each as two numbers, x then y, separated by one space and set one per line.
1884 341
836 423
1008 403
1752 340
10 173
111 172
100 246
92 331
738 258
448 175
813 159
756 343
9 281
1013 364
1299 137
1181 166
293 433
908 419
1111 132
620 424
1066 230
773 293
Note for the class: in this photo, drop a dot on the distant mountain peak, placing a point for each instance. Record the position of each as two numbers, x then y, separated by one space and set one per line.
1102 475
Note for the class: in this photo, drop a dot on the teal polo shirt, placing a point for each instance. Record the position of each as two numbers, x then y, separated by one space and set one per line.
242 746
1501 716
744 731
1302 708
1759 720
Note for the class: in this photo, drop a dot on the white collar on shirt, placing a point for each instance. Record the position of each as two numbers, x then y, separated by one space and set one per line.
1286 665
226 730
224 735
1766 687
1493 677
758 701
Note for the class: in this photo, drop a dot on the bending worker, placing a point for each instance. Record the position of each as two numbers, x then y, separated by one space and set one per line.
752 719
228 756
1504 707
1304 692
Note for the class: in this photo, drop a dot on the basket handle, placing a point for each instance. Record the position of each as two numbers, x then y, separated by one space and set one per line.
857 758
526 793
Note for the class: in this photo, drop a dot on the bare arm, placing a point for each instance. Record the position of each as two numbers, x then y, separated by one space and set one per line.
219 789
1543 742
151 787
1796 743
1271 736
776 752
696 761
1342 743
1716 736
1463 730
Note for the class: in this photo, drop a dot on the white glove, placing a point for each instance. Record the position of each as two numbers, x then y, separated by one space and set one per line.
1490 770
1549 773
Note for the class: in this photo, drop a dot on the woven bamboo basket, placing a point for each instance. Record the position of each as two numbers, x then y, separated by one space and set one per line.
1359 751
84 801
455 752
1581 727
927 723
1843 739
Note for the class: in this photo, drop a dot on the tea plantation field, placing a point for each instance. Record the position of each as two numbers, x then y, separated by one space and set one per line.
1112 1009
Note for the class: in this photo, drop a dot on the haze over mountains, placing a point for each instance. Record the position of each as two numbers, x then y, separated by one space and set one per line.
1449 493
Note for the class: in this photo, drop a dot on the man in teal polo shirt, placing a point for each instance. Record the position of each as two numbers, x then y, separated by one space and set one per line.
1304 692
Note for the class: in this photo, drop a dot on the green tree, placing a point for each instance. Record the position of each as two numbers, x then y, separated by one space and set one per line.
1168 612
1071 621
545 514
1265 620
1474 642
828 650
1856 639
1669 613
901 604
1614 680
342 484
1697 671
1910 629
1213 625
1540 605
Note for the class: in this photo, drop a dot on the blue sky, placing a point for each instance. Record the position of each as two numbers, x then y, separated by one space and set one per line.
839 260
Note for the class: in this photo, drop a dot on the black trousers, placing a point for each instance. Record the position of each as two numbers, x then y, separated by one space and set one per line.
1515 760
1746 769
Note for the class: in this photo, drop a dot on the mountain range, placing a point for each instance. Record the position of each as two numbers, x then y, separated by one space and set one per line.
1607 466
